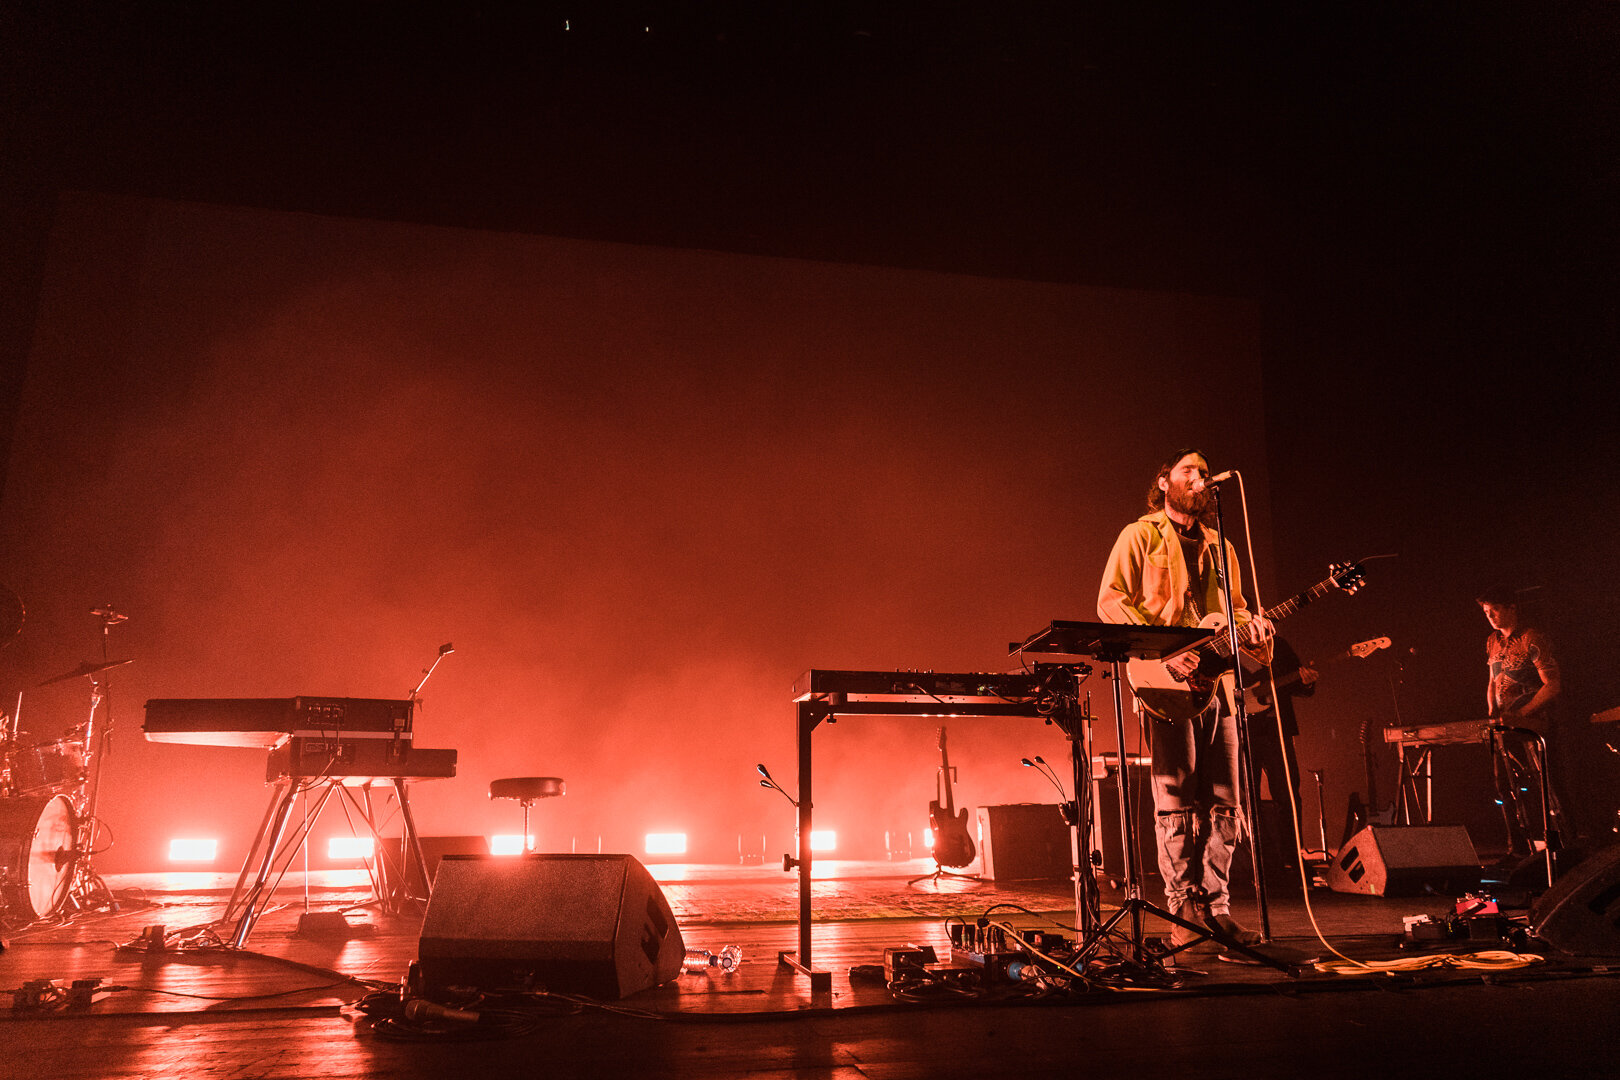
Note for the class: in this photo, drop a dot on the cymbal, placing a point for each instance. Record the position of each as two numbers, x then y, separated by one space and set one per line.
86 668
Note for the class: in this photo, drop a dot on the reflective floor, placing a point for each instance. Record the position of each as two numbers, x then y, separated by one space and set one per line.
287 1003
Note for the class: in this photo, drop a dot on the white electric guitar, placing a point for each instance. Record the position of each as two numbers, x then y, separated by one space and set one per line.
1170 696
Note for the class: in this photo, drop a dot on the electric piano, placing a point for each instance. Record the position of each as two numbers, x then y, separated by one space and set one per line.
325 748
1451 733
922 693
264 722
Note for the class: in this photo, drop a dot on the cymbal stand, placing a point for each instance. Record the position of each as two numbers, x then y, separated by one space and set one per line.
88 890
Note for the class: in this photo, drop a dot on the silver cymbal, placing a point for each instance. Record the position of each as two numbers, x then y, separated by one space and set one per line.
86 668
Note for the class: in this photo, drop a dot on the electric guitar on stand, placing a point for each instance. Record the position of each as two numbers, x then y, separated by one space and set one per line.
953 844
1170 696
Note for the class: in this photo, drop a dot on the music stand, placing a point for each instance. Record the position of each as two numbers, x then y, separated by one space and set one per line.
1113 644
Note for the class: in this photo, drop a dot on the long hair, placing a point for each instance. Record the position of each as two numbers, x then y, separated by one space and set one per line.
1155 498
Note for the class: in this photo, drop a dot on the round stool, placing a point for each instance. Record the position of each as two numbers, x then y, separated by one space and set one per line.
526 789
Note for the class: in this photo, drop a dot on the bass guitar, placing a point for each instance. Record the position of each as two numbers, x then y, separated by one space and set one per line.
953 845
1257 688
1171 696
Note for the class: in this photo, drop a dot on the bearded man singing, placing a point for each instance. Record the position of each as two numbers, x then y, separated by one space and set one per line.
1164 571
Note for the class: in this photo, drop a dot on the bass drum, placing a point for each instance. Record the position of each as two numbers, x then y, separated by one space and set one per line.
38 849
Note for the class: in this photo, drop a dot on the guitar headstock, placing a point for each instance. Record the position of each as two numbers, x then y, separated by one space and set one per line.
1363 649
1346 576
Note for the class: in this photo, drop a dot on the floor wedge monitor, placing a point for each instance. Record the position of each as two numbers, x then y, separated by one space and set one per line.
1406 860
585 924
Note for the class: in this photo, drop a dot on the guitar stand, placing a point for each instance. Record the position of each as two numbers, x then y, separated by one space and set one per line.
941 872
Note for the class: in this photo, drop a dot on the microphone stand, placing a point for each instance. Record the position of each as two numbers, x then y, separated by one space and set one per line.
1247 791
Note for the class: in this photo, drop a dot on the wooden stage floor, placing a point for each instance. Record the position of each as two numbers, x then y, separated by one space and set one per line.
287 1005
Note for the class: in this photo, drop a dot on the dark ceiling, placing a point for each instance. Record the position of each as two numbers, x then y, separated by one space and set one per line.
1214 147
1402 187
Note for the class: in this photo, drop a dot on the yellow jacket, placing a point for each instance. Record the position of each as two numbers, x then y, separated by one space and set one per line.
1145 581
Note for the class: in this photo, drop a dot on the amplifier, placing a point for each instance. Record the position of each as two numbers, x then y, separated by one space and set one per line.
304 757
1025 841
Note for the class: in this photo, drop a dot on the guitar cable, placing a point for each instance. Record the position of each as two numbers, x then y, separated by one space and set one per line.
1494 959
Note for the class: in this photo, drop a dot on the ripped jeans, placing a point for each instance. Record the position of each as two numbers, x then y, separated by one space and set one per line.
1195 800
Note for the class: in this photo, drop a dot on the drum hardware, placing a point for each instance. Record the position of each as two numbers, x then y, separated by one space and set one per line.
48 825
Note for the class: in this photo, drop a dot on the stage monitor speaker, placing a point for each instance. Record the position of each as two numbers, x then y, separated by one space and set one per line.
587 924
1024 842
1406 860
1580 914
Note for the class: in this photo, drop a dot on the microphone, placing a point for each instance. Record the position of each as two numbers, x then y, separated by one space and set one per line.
109 616
419 1010
1214 481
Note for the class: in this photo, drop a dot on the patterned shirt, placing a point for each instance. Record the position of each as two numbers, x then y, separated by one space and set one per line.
1516 664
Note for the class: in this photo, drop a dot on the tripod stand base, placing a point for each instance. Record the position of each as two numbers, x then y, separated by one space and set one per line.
1134 908
941 872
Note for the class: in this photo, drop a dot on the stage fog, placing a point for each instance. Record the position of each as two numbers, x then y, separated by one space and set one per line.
640 490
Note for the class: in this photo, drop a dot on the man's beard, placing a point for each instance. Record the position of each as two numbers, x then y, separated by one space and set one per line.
1184 500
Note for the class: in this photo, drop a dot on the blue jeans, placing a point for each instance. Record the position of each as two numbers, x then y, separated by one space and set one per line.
1195 800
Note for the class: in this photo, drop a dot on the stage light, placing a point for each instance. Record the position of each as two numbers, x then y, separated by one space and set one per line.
823 840
509 844
928 839
673 843
193 850
349 847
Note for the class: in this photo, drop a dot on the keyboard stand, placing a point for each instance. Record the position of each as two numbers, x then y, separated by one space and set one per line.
274 848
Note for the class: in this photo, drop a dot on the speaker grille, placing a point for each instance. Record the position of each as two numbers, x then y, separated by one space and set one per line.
593 924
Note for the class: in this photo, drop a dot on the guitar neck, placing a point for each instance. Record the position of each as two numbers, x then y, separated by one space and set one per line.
1293 604
946 800
1222 645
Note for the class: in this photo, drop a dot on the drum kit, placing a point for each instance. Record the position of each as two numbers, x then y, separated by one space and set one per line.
48 797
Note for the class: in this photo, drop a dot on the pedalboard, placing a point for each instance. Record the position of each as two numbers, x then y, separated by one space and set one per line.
986 947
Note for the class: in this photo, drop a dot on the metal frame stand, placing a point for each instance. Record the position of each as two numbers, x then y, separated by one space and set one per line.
1550 839
810 711
272 847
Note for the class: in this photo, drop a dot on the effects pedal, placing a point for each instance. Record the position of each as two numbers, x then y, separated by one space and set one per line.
908 962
